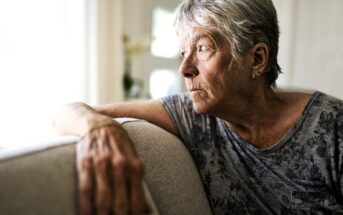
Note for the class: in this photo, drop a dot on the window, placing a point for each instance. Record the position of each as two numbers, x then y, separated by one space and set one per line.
154 19
42 64
165 42
164 78
164 82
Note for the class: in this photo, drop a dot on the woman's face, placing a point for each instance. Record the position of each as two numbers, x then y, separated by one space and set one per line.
213 79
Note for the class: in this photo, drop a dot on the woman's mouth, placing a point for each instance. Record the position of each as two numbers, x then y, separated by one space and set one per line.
195 91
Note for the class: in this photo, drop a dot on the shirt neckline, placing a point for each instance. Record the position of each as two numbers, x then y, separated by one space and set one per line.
285 138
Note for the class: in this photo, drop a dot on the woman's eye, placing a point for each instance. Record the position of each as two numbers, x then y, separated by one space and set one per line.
183 54
202 48
204 52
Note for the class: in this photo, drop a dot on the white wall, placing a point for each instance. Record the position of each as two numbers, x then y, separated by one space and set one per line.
110 50
103 50
311 47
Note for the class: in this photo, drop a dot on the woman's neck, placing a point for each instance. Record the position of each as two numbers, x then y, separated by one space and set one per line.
265 117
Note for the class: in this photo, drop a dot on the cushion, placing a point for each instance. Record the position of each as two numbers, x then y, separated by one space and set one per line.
42 179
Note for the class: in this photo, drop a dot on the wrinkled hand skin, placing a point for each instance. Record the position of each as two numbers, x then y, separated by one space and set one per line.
110 175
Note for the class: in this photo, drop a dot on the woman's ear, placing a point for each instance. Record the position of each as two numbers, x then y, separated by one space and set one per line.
260 54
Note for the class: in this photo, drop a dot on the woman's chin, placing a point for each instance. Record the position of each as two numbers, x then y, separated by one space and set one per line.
200 107
200 104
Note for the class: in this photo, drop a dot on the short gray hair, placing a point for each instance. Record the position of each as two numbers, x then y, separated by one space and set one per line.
243 23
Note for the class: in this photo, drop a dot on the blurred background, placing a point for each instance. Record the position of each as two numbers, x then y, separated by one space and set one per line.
53 52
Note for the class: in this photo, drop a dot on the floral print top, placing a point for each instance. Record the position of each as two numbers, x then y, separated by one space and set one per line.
301 174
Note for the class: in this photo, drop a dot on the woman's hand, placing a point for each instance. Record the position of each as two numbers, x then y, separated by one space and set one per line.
110 173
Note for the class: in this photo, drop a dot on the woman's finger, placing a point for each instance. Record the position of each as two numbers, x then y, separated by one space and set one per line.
138 202
121 193
103 184
134 173
120 171
86 182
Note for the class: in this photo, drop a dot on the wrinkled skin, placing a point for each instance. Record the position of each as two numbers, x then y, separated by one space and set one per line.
110 174
211 74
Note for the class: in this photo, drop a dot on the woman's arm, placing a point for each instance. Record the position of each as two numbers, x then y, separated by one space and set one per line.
78 118
149 110
110 174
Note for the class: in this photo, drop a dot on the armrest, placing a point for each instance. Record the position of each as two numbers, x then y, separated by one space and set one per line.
38 180
170 173
43 180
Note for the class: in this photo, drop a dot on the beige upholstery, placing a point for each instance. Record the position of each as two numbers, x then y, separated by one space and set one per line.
42 180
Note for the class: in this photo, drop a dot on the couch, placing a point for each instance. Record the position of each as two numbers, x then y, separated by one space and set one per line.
41 179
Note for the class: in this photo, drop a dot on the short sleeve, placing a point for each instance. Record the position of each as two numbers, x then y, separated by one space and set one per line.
180 110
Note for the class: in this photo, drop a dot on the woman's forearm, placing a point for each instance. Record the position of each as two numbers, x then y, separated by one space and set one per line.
79 118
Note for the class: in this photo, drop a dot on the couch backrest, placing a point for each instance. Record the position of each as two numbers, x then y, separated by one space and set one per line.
43 180
38 181
171 175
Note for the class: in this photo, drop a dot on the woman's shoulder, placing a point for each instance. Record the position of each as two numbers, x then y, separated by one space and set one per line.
326 102
317 98
322 105
296 95
314 103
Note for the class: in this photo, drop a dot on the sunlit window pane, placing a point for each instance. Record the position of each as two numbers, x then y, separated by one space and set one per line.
165 40
163 83
41 69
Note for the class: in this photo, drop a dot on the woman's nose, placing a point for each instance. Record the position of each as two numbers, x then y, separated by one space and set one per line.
188 67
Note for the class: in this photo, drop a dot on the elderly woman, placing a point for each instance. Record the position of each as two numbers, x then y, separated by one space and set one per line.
258 151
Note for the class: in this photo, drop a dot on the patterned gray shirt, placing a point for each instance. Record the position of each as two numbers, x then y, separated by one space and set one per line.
302 174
